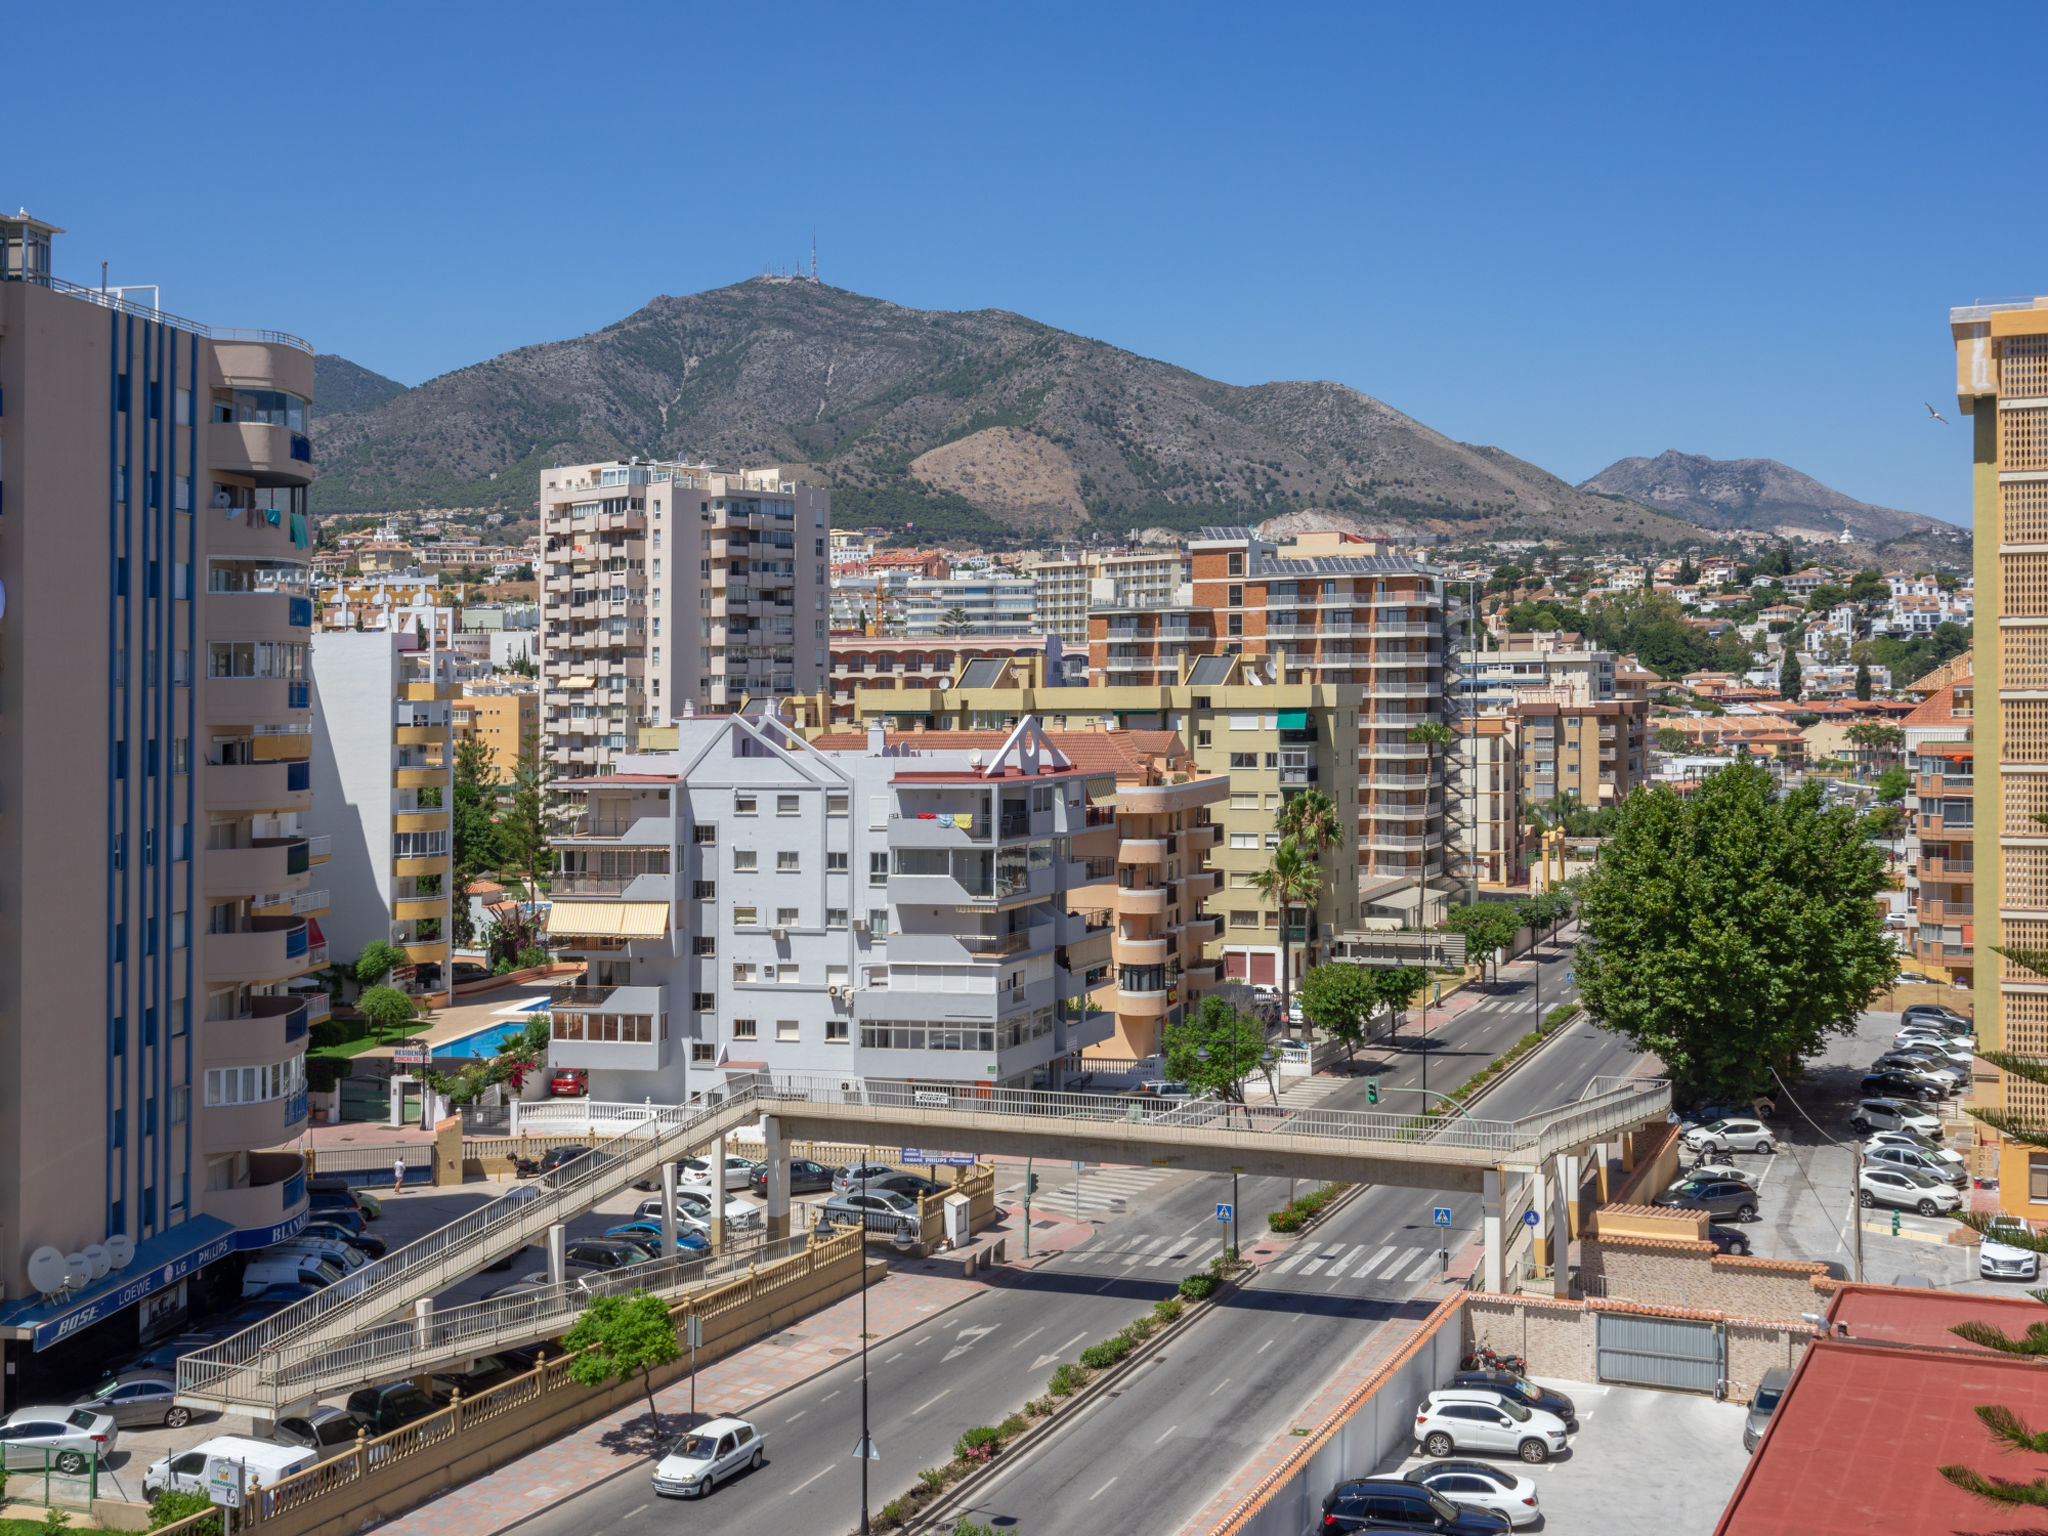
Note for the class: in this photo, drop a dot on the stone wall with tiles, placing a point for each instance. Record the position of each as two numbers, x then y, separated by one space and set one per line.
1692 1274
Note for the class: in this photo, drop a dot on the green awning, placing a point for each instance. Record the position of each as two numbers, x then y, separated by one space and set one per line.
1293 719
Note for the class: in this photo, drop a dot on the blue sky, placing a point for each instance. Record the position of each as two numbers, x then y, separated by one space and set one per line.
1578 234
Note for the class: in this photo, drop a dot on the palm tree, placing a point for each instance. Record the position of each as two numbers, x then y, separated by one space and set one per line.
1310 818
955 621
1433 734
1292 878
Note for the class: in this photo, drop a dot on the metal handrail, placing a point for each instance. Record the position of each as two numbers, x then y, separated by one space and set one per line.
144 312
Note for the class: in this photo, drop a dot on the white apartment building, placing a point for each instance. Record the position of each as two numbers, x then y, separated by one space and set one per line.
731 563
1496 680
749 903
1064 590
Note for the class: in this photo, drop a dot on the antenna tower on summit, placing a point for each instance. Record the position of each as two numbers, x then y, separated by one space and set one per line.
814 258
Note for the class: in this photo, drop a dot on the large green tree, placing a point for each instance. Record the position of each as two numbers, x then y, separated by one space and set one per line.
1291 879
1398 988
1732 933
476 851
1489 927
1339 999
1790 683
620 1337
1217 1049
523 829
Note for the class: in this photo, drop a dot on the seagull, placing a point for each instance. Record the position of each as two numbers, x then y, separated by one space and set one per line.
1935 414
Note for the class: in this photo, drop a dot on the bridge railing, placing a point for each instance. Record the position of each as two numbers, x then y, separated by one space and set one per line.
1608 1104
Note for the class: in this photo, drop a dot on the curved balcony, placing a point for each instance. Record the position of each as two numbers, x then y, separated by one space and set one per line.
252 787
271 455
274 1198
240 1127
1137 901
269 864
1206 834
1147 951
272 1029
256 615
426 952
1144 850
252 362
271 949
1142 1005
251 701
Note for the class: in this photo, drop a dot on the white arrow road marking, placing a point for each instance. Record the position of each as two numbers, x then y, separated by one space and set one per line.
1044 1360
968 1338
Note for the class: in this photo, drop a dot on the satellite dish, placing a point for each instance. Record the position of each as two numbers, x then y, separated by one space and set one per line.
77 1271
120 1251
46 1270
96 1256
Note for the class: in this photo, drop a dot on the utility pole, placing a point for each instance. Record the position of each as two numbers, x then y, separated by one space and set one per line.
1856 1202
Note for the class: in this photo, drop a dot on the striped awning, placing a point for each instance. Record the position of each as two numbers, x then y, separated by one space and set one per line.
608 919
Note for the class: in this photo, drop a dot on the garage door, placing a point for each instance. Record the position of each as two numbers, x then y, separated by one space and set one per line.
1265 966
1657 1352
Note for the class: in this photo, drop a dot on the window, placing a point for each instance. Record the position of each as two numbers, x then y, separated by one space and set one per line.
419 845
1236 598
1201 738
1244 722
835 805
703 1050
1242 919
1244 839
743 1029
878 869
705 836
785 1029
835 1032
1244 800
788 862
1236 560
744 805
742 859
704 890
878 812
789 975
788 805
785 917
704 944
835 863
878 922
746 917
1244 760
703 1002
2037 1177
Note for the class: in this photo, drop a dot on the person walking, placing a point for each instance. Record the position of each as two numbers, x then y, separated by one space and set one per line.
398 1176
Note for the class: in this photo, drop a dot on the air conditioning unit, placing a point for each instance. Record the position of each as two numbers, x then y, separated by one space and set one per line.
779 935
839 991
860 925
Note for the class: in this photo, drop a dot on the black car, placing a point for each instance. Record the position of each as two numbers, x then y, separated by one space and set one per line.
1728 1240
558 1157
469 970
915 1185
1394 1504
320 1226
1522 1390
391 1406
605 1252
803 1175
1718 1197
484 1373
340 1210
1897 1085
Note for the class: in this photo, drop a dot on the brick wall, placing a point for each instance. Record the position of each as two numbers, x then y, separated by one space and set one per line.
1683 1274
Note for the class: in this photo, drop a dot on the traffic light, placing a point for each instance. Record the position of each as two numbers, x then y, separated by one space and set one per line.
1030 1185
1372 1090
1895 1223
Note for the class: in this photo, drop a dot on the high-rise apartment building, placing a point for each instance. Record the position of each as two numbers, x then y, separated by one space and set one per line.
383 790
506 719
154 737
664 584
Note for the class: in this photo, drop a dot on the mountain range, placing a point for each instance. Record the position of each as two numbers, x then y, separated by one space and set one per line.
1751 493
976 424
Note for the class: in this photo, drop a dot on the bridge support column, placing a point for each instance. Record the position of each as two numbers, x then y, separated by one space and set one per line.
1564 1217
717 1156
1628 1151
776 1151
1541 1182
558 1254
668 1210
1490 1225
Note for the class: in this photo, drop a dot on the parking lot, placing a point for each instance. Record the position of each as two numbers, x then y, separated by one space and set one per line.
1641 1461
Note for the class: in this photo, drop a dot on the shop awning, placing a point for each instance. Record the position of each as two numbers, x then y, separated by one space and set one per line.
609 919
1293 719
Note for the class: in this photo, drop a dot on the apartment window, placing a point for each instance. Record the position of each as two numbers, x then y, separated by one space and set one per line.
786 1029
742 859
788 862
878 869
1236 599
788 805
1201 738
703 1002
2037 1178
703 1050
705 836
1272 759
835 1031
1270 920
835 863
878 922
743 973
181 1104
704 944
785 917
419 845
1244 839
1244 760
788 975
1243 919
181 755
704 890
878 811
744 1029
744 805
835 917
746 917
1236 565
836 805
1244 800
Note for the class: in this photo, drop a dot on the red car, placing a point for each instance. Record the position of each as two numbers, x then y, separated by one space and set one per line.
569 1083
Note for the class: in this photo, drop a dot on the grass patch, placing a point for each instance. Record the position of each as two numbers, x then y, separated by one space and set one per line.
351 1048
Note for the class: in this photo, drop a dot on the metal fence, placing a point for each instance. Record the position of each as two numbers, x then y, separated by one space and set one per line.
40 1475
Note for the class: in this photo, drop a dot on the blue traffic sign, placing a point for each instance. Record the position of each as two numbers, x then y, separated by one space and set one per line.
1223 1213
1567 978
1530 1218
1441 1216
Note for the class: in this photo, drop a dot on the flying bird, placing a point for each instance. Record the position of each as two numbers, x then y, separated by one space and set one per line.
1935 414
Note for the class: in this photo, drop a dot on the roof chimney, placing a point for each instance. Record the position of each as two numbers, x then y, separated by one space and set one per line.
878 737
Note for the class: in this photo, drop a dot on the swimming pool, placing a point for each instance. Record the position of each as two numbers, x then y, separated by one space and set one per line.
482 1045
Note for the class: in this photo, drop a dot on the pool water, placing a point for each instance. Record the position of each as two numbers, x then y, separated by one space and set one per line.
483 1045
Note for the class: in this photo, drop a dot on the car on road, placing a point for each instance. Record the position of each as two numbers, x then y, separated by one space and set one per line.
1882 1114
324 1431
568 1083
1723 1198
1728 1240
1899 1085
708 1455
1450 1420
1521 1389
139 1397
1396 1504
1480 1485
879 1210
77 1435
1907 1190
695 1172
1733 1134
1998 1260
804 1175
647 1234
855 1175
1954 1173
1768 1391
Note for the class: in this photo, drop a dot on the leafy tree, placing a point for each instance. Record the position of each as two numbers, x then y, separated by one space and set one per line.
1825 597
1489 927
1504 578
956 621
1790 685
1291 879
1863 688
476 850
620 1337
1310 818
1339 999
1876 738
377 961
1672 648
1688 573
1733 932
1868 587
1216 1049
1892 785
1398 988
387 1009
175 1504
1670 739
523 832
1885 823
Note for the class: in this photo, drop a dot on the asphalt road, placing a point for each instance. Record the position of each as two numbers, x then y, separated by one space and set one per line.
1148 1456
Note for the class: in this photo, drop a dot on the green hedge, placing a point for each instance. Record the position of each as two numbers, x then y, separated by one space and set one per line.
336 1031
1199 1287
1559 1014
1294 1215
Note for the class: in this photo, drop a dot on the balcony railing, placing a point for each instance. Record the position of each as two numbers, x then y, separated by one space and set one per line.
321 847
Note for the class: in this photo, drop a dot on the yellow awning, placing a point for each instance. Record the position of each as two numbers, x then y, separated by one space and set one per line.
579 682
609 919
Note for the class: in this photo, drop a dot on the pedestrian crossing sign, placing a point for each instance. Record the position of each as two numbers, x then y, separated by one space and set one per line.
1441 1215
1222 1212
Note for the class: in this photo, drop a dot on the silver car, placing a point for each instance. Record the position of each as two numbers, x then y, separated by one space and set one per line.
1764 1404
1916 1161
76 1435
138 1397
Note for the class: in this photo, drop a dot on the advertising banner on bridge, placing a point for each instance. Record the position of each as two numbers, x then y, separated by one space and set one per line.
918 1157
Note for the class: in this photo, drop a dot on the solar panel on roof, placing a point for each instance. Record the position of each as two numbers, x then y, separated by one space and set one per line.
982 672
1209 670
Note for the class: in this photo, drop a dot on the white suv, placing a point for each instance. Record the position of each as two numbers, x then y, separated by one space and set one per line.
1453 1420
1890 1115
2002 1261
1907 1190
1730 1136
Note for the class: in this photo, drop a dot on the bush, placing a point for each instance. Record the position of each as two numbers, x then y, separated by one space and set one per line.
1065 1380
1196 1288
1013 1425
1559 1014
978 1444
1294 1215
335 1031
171 1506
892 1513
530 957
323 1073
1168 1308
1139 1331
933 1478
1038 1407
1098 1357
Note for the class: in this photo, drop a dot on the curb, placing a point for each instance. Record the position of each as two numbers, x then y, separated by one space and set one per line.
1531 1054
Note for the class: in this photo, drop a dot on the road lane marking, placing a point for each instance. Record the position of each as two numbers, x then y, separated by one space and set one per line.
1034 1333
640 1511
894 1358
1169 1430
1098 1493
1354 1255
1259 1351
832 1394
1219 1386
1372 1263
1429 1262
920 1408
1290 1261
800 1487
797 1415
1047 1359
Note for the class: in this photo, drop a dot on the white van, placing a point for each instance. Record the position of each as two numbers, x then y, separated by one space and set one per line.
287 1269
265 1461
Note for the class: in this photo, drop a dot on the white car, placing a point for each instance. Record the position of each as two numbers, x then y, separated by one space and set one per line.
1454 1420
708 1455
1955 1048
1716 1168
1907 1190
695 1172
2002 1261
1480 1485
76 1435
1890 1115
1732 1135
1916 1161
1933 1149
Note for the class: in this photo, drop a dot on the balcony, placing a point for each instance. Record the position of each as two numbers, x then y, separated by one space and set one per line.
1147 951
1943 911
269 949
655 830
268 864
269 1031
243 1127
271 454
935 829
320 849
1140 901
1145 850
1303 776
273 1198
250 787
1935 867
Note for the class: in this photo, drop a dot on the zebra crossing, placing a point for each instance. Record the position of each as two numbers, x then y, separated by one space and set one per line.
1358 1262
1306 1092
1105 1193
1196 1245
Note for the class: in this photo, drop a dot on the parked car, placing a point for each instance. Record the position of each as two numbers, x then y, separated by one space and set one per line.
391 1406
1451 1420
324 1431
468 970
163 1355
1912 978
1957 1053
1707 1113
482 1374
803 1175
1881 1114
1521 1389
1395 1504
82 1432
1728 1240
1734 1134
1918 1143
339 1212
708 1455
1768 1391
1907 1190
647 1234
568 1083
1955 1174
1899 1085
333 1233
1711 1167
879 1210
854 1175
265 1461
1932 1032
1935 1013
561 1157
606 1252
695 1172
740 1213
1998 1260
1480 1485
1939 1070
139 1397
1723 1198
915 1185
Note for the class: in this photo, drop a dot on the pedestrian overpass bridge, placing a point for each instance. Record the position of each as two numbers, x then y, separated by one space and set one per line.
308 1347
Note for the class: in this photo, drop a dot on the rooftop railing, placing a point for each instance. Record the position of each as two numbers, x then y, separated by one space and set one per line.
144 312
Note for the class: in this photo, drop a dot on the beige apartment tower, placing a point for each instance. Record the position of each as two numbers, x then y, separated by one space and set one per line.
154 784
